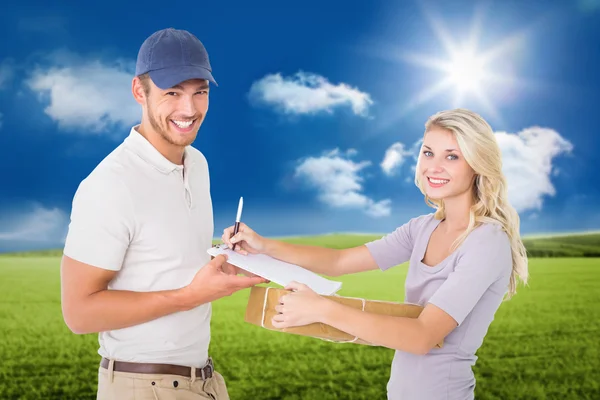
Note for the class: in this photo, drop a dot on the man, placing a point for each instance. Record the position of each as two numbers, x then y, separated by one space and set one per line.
135 267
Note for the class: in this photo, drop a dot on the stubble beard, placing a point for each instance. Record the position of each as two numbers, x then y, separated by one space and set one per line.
163 131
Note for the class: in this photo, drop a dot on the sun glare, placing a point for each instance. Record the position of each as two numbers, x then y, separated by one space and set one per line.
466 70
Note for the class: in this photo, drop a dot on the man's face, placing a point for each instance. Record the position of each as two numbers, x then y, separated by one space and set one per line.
177 113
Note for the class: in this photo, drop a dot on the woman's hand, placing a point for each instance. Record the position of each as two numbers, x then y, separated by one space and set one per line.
247 240
301 307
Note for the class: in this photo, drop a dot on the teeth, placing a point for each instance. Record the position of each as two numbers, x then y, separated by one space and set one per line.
182 124
439 181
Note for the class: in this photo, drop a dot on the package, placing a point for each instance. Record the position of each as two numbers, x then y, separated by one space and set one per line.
261 309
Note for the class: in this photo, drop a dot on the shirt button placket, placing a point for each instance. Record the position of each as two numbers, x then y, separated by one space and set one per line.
186 189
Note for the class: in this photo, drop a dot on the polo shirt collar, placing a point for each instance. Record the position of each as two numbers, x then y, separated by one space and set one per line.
146 151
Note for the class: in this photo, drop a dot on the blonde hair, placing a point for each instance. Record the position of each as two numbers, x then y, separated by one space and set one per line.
478 145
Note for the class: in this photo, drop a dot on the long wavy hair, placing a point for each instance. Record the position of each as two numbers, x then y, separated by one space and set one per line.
478 144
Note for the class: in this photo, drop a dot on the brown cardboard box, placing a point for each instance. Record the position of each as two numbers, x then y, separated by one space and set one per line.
261 309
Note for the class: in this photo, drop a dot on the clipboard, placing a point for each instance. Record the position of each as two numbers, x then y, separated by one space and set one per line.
280 272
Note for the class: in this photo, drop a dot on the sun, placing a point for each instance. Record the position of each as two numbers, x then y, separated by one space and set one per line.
465 71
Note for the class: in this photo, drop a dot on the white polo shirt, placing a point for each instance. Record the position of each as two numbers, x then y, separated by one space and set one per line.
139 214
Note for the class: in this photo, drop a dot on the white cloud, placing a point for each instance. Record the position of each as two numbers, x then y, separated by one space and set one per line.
379 209
336 152
527 162
394 157
86 95
306 93
404 154
36 224
338 183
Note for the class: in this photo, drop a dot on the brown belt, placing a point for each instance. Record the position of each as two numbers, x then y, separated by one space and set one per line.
165 369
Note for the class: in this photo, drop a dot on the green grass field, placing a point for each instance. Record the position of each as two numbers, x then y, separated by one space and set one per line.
544 343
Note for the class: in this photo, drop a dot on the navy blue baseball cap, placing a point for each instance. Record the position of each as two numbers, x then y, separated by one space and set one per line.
171 56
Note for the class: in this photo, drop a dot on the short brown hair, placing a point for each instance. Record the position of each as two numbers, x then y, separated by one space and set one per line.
144 78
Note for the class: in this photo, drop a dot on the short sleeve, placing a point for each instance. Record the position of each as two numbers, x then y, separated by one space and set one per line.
101 223
396 247
483 262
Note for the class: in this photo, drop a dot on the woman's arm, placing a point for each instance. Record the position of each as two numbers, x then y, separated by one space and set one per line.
486 260
322 260
413 335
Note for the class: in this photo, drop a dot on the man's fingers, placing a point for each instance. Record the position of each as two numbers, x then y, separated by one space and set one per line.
218 261
243 282
250 274
255 280
230 269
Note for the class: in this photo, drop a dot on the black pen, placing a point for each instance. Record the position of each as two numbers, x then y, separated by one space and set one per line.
238 219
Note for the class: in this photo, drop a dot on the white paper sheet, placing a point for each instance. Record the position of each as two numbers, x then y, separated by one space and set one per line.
277 271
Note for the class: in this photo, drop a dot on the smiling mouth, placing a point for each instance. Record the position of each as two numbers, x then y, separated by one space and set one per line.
183 124
436 181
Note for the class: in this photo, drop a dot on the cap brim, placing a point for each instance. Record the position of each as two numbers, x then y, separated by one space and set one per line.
168 77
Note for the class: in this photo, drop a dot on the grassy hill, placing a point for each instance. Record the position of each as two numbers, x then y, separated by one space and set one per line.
542 345
574 245
566 245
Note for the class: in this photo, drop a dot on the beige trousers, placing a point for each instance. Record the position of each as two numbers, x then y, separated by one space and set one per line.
116 385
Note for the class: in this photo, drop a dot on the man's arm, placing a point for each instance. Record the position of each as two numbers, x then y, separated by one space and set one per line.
89 307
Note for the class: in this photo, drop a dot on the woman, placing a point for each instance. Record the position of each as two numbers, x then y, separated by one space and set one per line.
464 259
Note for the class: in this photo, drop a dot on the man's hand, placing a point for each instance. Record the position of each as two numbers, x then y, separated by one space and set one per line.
212 282
231 269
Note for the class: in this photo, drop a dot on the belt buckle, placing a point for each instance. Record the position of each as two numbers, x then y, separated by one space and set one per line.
209 364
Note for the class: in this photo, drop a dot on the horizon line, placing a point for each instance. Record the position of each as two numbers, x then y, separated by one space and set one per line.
540 235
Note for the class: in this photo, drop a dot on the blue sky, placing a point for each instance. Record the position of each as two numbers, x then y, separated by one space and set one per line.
319 109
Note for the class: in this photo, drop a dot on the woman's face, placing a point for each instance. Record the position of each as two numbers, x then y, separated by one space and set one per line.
442 168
